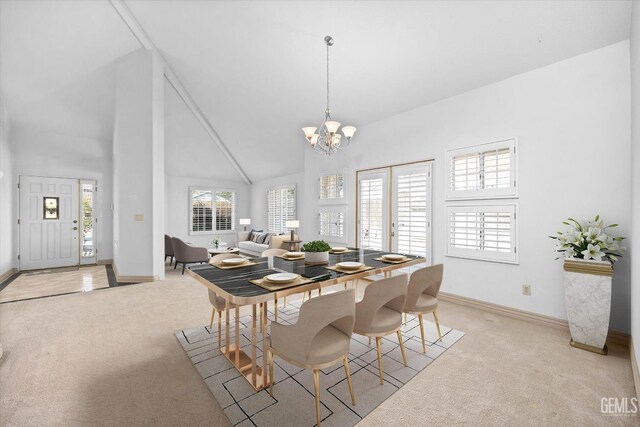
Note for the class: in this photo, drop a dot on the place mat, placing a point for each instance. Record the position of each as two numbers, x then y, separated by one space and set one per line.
351 270
405 259
290 258
279 286
341 253
221 266
317 263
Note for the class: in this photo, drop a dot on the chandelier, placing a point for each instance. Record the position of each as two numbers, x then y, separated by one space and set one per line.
327 139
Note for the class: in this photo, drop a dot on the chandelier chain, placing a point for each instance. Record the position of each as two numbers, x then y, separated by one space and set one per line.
327 77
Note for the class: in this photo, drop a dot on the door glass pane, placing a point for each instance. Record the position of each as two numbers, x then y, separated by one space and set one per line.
88 246
371 213
411 208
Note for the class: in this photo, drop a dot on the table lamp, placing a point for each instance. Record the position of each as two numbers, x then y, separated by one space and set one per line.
245 222
294 223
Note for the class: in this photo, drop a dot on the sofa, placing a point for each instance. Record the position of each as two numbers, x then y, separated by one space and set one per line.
248 247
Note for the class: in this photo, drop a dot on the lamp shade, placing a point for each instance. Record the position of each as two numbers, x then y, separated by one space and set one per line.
348 131
294 223
314 139
245 221
309 131
332 127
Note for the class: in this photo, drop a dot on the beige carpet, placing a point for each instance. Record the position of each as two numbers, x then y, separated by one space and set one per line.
111 358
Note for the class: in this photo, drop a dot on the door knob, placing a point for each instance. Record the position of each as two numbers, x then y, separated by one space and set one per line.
75 221
75 228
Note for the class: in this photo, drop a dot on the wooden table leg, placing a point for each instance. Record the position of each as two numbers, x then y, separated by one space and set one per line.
265 350
237 335
253 345
275 307
226 333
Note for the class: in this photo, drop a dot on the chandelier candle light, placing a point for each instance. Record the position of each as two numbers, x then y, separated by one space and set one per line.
327 139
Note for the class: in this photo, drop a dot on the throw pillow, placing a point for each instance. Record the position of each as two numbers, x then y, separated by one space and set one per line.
267 240
252 232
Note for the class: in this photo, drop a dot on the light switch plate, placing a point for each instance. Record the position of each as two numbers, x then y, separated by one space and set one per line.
139 217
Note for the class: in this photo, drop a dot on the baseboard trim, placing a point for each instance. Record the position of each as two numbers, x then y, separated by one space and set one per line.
8 274
614 337
634 368
105 261
132 279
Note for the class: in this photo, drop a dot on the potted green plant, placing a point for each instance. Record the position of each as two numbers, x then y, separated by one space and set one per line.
589 253
316 252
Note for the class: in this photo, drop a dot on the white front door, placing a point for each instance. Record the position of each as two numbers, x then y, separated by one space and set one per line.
411 205
49 227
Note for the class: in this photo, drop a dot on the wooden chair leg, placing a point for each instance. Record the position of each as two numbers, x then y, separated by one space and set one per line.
346 370
271 375
261 318
316 385
219 328
404 356
369 340
379 359
435 316
424 346
213 316
405 318
284 302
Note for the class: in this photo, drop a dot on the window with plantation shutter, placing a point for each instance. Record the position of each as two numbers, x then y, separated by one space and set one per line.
211 210
331 188
201 212
371 213
485 232
483 171
331 224
225 210
281 206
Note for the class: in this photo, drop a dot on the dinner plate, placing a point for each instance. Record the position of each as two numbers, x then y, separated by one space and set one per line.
350 265
339 249
393 257
281 277
294 254
234 261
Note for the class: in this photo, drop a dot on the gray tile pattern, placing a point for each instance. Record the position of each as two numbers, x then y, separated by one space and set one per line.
293 400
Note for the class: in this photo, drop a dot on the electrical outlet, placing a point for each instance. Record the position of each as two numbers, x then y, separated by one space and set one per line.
526 290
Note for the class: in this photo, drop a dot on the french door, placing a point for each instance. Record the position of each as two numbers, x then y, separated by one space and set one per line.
394 209
56 228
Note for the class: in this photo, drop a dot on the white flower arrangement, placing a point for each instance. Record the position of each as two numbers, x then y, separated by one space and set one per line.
589 240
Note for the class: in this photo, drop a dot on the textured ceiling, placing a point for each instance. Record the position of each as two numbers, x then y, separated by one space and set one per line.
257 69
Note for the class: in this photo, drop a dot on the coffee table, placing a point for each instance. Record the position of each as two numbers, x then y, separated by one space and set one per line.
223 250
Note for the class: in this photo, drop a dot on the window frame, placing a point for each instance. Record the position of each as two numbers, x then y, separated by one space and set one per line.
295 207
483 193
334 200
333 209
214 230
511 257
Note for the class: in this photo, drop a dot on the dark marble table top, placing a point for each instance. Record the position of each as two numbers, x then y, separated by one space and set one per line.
235 282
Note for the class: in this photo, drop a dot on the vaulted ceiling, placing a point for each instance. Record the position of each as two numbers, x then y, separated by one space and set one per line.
257 69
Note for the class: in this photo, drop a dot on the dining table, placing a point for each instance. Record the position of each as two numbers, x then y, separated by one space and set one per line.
237 285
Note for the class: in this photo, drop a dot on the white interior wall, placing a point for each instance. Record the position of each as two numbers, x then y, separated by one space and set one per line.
572 121
138 166
635 178
65 156
259 191
178 205
7 197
